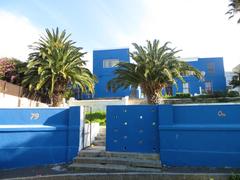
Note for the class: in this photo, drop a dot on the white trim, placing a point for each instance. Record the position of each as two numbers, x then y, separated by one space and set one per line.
203 104
189 59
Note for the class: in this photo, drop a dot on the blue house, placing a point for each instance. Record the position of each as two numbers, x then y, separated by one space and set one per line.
214 80
104 64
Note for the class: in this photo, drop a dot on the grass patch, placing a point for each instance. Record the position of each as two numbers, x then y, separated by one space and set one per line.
98 117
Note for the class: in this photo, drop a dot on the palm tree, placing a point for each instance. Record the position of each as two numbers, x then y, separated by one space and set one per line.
54 65
155 68
234 8
235 82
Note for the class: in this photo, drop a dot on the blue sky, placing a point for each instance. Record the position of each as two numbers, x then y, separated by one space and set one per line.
90 22
199 28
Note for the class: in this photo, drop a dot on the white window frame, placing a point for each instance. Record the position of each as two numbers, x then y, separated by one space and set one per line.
186 87
110 63
208 87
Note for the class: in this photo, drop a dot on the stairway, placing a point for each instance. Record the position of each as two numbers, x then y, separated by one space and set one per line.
100 140
96 159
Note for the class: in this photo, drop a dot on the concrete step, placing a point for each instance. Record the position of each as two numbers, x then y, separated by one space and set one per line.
103 138
102 130
123 161
101 134
109 168
94 149
99 152
99 143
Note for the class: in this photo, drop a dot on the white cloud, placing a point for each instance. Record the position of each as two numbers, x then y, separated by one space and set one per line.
16 34
199 28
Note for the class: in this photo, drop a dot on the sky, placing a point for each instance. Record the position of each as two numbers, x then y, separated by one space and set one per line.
198 28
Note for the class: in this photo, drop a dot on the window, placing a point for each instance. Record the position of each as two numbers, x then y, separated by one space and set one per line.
185 88
133 93
208 87
169 90
211 68
109 63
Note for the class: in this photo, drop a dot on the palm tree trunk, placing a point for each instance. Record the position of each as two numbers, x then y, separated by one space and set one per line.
155 98
58 93
57 99
152 92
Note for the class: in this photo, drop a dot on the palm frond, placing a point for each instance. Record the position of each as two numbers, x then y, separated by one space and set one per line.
56 62
155 67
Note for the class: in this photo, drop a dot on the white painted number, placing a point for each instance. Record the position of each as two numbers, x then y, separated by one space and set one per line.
35 116
221 114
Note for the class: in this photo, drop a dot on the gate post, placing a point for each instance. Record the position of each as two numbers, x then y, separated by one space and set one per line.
74 126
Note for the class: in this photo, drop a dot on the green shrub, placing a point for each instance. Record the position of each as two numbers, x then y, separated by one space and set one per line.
183 95
234 177
99 117
233 94
217 94
12 70
168 96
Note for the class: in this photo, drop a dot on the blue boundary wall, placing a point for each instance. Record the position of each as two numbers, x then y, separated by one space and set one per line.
38 136
200 135
204 135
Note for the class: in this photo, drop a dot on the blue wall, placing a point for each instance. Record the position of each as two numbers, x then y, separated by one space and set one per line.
217 78
200 135
38 136
106 74
189 135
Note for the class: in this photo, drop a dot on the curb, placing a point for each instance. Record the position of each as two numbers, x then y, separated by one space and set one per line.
133 176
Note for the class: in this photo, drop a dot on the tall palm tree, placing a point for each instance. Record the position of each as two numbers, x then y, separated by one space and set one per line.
54 65
234 8
155 68
235 82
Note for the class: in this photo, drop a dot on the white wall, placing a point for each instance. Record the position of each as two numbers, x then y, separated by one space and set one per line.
7 100
98 105
94 132
236 89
